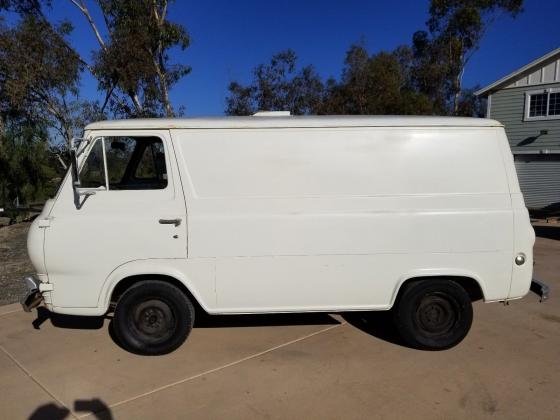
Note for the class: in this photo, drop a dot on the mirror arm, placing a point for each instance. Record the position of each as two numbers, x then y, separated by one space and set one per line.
74 168
85 193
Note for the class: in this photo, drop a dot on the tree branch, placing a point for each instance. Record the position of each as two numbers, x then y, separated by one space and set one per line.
83 8
109 93
136 101
85 11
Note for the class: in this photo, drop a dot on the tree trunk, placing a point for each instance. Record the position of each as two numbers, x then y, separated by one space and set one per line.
458 84
164 89
136 102
158 60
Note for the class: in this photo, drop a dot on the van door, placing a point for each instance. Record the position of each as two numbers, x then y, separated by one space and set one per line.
136 211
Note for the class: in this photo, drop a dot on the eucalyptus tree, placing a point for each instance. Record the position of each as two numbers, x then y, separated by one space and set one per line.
39 77
133 63
277 86
374 84
133 60
39 73
455 29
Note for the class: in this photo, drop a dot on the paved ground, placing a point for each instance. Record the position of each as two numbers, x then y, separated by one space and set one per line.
312 366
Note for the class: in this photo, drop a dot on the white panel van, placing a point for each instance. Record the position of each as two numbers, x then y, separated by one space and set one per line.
263 214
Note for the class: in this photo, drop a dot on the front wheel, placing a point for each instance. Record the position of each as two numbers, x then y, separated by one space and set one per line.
153 317
433 314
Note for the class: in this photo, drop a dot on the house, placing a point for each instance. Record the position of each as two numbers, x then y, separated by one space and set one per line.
527 102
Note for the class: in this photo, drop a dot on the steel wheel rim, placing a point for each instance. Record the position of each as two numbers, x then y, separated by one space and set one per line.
153 320
436 315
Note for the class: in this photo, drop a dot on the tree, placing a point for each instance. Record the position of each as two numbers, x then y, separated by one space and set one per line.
277 86
430 71
40 108
27 168
38 82
455 29
39 75
376 84
471 105
133 65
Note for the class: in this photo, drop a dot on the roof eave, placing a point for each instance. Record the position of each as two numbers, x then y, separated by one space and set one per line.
499 83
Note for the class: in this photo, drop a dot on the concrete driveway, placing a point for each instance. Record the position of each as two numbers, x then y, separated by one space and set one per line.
297 366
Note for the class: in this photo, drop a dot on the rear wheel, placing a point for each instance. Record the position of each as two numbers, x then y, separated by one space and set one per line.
433 314
153 317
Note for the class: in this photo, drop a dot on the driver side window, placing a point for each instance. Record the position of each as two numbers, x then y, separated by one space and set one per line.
135 163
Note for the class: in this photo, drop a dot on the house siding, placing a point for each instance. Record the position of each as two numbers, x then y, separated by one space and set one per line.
537 156
508 107
539 180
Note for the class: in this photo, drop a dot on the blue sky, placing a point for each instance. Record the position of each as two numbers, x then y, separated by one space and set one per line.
230 37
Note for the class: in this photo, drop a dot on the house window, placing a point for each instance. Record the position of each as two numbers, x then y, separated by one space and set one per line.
554 103
537 105
543 104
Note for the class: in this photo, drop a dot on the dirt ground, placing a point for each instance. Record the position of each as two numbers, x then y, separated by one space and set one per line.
14 262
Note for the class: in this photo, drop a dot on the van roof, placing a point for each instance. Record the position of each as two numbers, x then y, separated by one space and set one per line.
294 121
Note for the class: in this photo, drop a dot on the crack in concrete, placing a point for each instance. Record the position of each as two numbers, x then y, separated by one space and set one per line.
217 369
39 384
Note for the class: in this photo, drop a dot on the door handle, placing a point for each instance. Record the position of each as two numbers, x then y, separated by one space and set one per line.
175 222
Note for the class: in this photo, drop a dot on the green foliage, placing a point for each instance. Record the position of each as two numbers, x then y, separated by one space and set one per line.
40 109
28 170
277 86
37 72
470 105
377 84
26 7
136 58
455 29
39 77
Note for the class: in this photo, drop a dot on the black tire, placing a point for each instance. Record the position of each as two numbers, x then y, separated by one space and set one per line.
153 317
433 314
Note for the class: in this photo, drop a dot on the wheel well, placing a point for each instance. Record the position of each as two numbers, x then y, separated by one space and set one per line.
124 284
470 285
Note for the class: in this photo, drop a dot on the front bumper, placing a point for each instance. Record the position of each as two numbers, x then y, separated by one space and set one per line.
33 297
540 288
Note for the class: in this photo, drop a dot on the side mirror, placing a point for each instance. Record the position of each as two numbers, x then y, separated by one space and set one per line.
74 168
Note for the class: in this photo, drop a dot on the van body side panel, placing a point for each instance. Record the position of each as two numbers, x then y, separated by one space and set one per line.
524 234
524 241
327 219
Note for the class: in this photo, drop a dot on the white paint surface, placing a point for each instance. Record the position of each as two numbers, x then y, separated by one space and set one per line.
299 218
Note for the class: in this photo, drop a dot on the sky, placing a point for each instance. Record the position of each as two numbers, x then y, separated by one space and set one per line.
229 38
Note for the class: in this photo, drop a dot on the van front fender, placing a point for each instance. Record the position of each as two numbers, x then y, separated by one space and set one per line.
198 276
